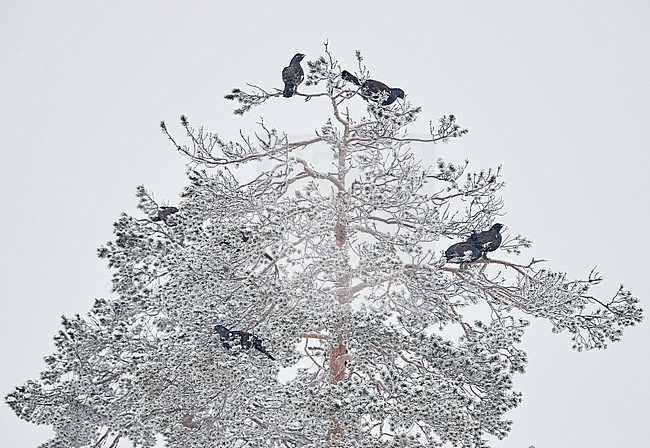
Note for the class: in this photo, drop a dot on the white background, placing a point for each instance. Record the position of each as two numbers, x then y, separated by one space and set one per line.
558 93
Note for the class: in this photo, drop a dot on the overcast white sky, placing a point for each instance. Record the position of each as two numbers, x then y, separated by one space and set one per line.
557 92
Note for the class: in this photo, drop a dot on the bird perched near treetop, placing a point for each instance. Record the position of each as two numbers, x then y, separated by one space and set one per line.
372 90
292 75
163 214
489 240
464 252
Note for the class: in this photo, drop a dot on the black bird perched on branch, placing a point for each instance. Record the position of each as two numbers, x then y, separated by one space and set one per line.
163 213
246 340
372 90
489 240
292 75
464 252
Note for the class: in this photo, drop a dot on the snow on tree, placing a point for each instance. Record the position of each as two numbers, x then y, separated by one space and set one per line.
310 305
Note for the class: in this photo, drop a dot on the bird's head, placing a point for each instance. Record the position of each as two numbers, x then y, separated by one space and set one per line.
298 57
399 92
496 227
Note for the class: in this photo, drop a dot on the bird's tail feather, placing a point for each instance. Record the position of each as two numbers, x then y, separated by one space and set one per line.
289 90
347 76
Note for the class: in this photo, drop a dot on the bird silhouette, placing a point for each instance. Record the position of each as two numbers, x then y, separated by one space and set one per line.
246 340
292 75
489 240
464 252
372 90
164 213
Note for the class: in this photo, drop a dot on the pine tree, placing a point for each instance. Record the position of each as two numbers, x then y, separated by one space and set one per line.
311 306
